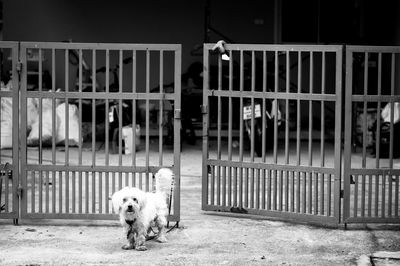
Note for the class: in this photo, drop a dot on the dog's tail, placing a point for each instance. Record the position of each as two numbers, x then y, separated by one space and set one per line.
164 181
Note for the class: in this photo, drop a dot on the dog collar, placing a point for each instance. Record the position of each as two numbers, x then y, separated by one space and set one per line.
130 222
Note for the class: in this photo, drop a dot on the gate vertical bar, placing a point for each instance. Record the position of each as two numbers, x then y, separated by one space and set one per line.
9 129
23 133
177 133
338 133
205 115
15 128
347 134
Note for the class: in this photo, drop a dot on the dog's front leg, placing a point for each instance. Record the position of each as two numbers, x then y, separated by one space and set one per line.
140 238
131 241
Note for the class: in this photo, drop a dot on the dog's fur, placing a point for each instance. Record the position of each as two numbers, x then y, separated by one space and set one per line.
139 210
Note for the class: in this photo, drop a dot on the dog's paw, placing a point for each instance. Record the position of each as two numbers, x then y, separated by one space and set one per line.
161 239
127 246
141 248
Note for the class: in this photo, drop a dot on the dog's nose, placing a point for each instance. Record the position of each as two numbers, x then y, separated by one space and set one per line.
130 207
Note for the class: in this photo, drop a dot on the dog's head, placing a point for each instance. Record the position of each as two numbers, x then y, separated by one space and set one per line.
128 202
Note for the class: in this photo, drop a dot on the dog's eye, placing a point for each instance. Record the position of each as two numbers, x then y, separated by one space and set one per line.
135 199
124 199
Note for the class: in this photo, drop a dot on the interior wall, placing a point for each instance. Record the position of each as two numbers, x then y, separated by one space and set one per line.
397 42
361 22
250 22
397 25
115 21
151 21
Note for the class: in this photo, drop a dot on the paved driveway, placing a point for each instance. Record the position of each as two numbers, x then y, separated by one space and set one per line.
202 239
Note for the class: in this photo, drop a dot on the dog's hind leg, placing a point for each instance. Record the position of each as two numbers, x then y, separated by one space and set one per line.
161 222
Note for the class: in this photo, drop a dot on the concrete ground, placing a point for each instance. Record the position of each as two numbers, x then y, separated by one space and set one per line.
202 238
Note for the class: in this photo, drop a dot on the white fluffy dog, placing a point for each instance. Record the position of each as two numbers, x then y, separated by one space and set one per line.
139 210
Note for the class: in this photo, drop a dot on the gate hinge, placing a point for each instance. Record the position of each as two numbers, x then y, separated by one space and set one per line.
204 109
177 114
19 67
6 170
341 193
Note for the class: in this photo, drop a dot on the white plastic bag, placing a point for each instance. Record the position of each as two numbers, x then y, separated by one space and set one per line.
6 118
276 113
6 123
33 122
73 124
386 112
31 113
127 133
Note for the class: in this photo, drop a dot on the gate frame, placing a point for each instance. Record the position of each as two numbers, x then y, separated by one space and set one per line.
18 168
317 219
14 94
147 170
348 170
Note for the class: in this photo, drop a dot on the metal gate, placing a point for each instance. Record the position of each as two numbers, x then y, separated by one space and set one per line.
94 118
9 111
268 111
371 140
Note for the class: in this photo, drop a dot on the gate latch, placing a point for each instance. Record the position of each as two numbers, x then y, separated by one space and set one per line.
6 170
19 191
19 67
204 109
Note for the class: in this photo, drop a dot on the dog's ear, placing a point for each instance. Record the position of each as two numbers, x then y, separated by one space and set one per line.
116 199
142 203
142 200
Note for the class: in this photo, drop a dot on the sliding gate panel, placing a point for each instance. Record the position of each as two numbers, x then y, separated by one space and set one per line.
272 131
9 105
372 135
93 120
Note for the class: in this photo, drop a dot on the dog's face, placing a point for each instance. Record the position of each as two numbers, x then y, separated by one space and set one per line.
128 202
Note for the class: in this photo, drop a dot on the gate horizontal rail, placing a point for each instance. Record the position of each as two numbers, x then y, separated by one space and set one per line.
100 96
265 166
273 95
